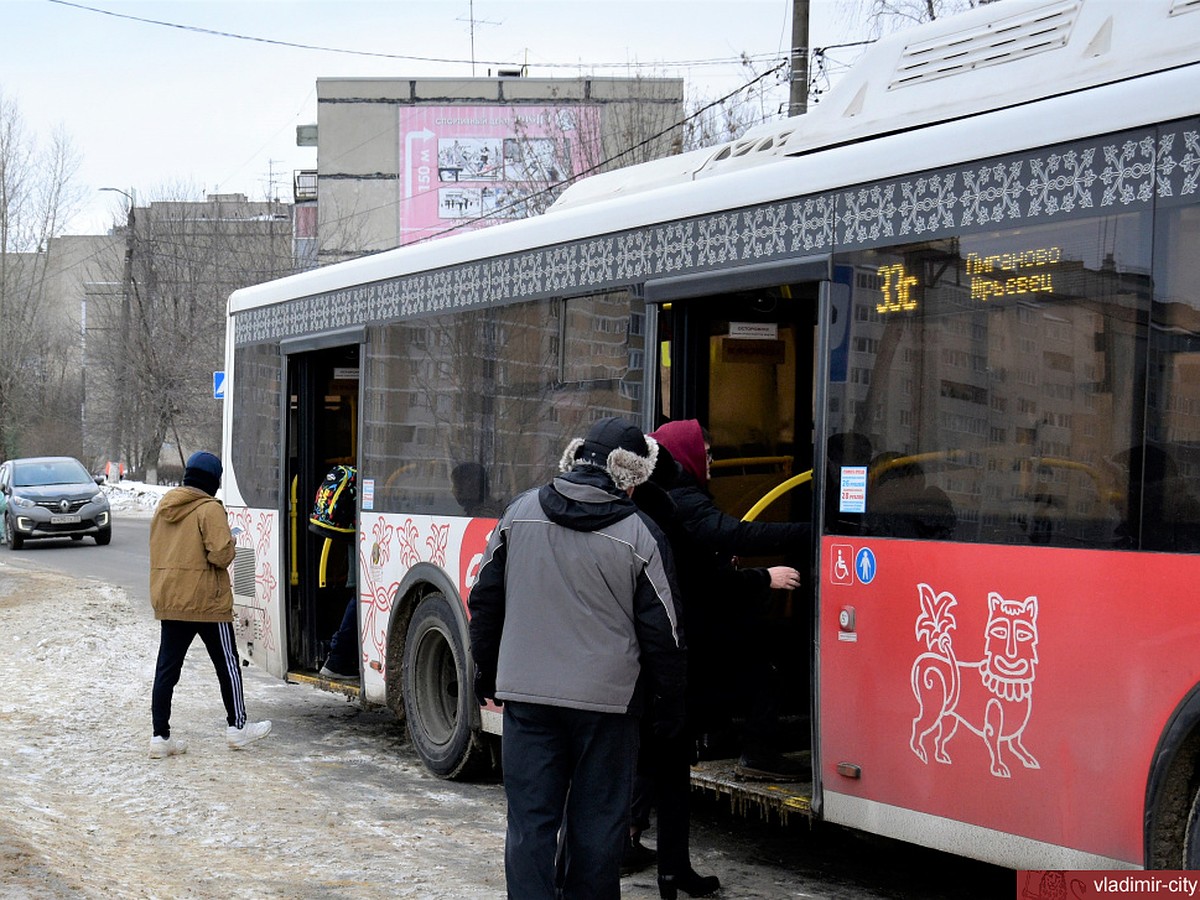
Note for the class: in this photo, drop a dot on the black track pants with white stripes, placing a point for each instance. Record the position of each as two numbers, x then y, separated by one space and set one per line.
173 645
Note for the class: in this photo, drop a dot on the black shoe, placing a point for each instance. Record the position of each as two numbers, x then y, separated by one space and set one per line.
637 857
690 883
771 767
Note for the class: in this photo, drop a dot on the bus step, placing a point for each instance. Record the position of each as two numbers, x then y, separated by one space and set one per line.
349 688
779 799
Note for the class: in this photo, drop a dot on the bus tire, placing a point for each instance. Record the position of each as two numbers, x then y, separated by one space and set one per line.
437 694
1190 858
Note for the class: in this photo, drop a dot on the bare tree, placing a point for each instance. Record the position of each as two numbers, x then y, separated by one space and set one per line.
166 328
37 197
763 98
586 139
346 230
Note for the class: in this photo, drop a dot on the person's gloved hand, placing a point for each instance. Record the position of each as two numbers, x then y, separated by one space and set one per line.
485 688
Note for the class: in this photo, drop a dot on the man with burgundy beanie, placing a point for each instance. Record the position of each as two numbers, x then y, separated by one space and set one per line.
191 548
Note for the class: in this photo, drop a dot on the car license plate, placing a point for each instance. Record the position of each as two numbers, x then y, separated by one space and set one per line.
64 520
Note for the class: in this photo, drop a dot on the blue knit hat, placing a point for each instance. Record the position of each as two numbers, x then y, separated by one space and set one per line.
205 462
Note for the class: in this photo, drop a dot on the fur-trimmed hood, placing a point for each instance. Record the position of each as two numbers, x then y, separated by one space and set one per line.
618 448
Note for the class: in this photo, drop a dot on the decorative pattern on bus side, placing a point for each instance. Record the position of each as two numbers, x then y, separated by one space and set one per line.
254 536
1125 171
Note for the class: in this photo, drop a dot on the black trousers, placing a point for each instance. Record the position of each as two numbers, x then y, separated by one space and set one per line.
570 769
174 640
671 764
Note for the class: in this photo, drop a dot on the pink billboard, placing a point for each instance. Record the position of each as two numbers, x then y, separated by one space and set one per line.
467 167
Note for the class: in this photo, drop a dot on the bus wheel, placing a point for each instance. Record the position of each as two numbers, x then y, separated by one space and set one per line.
437 696
1191 837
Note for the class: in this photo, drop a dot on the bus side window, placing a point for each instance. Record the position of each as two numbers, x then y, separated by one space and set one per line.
900 503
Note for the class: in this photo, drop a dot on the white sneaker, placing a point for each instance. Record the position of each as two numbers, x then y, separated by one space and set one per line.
326 672
237 738
161 747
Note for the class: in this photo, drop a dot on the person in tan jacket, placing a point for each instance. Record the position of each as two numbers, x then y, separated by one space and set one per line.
191 548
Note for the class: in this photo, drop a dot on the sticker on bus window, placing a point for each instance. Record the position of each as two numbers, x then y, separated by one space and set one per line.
853 493
368 493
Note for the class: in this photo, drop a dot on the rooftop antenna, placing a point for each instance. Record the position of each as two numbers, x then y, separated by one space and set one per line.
473 20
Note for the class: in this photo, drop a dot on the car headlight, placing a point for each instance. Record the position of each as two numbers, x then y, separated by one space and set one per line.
98 498
21 502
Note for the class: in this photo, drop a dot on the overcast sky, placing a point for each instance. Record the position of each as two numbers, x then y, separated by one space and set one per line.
153 106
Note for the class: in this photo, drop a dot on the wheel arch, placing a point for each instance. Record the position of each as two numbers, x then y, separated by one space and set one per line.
1171 785
419 582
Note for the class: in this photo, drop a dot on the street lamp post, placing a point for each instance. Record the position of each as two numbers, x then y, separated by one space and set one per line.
121 388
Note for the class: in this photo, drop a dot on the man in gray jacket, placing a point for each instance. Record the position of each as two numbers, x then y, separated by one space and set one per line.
573 621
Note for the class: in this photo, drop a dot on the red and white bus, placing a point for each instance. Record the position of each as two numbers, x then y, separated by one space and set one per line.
964 291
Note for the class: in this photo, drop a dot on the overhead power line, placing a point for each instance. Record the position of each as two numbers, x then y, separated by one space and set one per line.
625 64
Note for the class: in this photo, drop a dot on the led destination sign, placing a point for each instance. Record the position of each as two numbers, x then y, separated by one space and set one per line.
989 277
1029 272
896 286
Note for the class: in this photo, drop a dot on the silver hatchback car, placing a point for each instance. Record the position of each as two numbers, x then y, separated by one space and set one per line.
51 497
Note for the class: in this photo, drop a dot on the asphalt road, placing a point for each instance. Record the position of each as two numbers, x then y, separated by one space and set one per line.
125 562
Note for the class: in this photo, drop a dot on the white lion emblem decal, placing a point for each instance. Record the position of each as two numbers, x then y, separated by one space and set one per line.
992 697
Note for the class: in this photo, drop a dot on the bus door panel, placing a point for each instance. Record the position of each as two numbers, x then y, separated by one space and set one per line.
257 622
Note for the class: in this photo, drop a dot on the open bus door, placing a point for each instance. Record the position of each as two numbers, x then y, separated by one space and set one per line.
743 363
322 431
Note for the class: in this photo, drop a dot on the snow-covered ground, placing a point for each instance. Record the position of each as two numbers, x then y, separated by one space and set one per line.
133 496
331 805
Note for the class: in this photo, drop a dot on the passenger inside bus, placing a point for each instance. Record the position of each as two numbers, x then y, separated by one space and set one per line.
900 503
730 671
334 517
1160 512
472 490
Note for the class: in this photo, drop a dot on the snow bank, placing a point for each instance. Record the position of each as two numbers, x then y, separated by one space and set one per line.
134 496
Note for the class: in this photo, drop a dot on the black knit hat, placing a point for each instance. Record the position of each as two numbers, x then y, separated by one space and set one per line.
617 446
203 471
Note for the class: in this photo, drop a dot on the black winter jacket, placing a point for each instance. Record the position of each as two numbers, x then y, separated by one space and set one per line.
706 542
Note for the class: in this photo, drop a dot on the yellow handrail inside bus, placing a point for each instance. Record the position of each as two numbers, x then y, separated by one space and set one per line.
295 573
775 493
322 573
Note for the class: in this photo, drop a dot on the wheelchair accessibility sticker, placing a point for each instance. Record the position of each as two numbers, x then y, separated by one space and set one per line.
840 556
